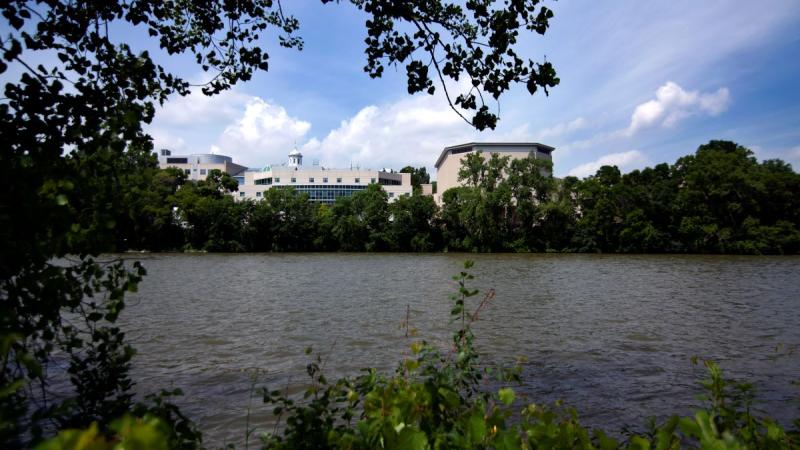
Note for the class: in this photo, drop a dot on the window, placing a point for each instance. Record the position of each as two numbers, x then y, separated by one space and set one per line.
372 180
324 179
310 179
338 180
294 180
241 194
391 194
188 172
202 171
195 169
258 194
358 180
277 180
177 160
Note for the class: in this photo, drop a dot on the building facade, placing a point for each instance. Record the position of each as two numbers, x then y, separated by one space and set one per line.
450 160
323 185
196 166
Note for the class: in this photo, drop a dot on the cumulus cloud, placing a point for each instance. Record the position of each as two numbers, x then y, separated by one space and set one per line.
412 131
673 104
183 123
263 133
626 161
197 108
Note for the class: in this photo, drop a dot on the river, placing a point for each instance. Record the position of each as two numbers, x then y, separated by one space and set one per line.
612 335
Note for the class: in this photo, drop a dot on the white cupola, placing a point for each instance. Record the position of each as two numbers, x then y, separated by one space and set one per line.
295 158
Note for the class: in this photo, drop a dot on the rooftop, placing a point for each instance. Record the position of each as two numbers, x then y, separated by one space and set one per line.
514 146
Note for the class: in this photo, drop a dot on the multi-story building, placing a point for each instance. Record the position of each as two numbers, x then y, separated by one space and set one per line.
450 160
323 185
198 165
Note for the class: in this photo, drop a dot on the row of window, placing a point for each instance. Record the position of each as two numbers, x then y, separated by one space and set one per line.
267 181
324 194
189 171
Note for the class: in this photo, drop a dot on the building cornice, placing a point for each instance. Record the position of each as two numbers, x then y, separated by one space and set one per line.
538 146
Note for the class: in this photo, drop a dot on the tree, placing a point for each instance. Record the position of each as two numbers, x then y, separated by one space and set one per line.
414 226
725 205
361 220
445 40
67 124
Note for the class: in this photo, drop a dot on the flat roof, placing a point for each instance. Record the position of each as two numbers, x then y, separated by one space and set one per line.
521 145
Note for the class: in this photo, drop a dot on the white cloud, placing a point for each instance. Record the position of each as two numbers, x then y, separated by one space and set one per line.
626 161
412 131
673 104
263 133
197 108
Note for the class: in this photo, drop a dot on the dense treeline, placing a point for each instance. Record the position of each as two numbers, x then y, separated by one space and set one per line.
718 200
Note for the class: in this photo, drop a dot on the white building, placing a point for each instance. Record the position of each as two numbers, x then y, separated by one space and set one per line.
450 160
323 185
196 166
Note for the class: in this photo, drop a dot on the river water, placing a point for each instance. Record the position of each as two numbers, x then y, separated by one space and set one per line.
611 335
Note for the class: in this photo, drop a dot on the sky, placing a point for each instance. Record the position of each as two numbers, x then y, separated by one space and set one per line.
642 82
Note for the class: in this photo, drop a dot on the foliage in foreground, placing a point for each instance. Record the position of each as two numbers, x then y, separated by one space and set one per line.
440 400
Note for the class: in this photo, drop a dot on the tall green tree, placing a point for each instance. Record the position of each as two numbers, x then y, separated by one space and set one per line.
361 221
414 225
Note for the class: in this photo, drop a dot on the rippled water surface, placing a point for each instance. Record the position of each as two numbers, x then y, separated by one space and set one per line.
612 335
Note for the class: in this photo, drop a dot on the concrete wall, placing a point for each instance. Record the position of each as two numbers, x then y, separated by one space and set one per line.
447 172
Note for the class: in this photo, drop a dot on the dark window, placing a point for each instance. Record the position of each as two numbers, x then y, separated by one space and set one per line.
188 172
202 171
277 179
325 179
177 161
258 194
263 181
294 180
241 194
310 179
358 180
338 180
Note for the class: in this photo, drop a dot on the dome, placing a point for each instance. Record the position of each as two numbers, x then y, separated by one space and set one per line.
295 152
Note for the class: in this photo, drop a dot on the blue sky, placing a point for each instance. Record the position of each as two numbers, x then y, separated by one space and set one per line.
642 82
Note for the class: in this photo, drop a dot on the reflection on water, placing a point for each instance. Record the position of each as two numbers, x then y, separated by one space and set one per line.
612 335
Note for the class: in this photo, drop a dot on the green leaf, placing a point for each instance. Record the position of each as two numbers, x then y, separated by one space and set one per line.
409 439
476 427
506 395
